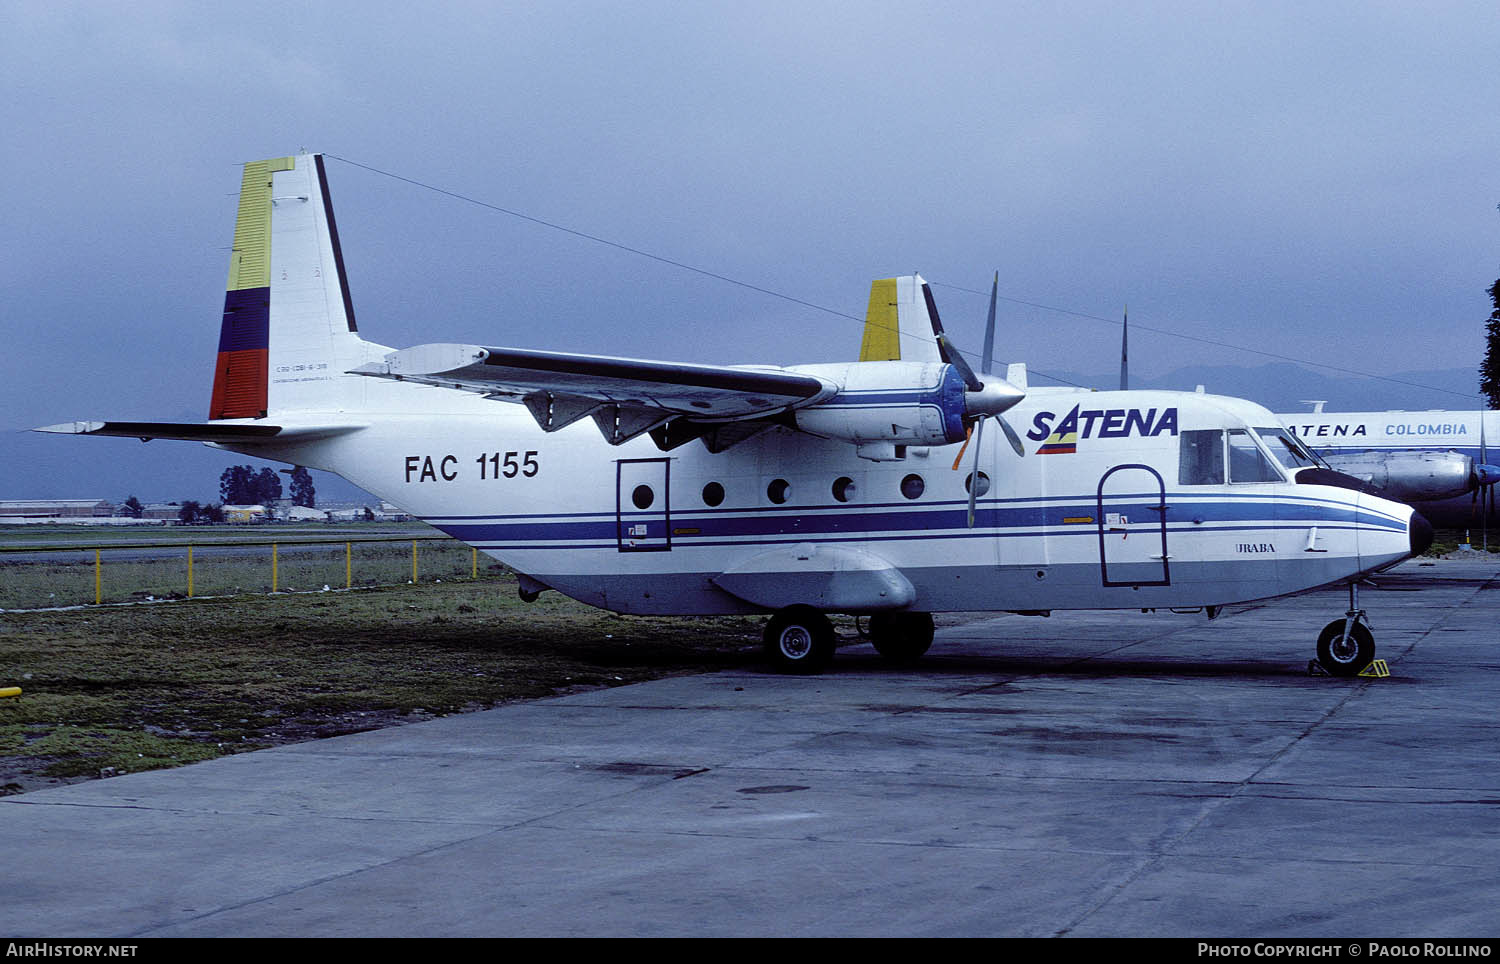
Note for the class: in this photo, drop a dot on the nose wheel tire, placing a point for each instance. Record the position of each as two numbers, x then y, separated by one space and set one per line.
799 639
1345 653
901 637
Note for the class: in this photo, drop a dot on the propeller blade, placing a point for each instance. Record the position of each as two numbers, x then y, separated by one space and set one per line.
1125 351
950 354
971 380
974 476
1011 436
1490 511
1487 510
987 360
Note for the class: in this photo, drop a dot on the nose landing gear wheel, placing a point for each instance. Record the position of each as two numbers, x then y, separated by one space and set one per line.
1345 653
799 639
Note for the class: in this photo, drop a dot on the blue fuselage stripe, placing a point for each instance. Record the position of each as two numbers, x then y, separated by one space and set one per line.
994 520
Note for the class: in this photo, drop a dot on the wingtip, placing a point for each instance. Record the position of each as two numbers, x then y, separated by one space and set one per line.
70 428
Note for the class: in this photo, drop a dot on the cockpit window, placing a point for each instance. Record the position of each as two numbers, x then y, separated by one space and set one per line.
1247 463
1201 458
1288 449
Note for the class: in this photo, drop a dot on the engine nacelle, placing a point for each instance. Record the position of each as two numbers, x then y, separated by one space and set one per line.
895 402
1408 476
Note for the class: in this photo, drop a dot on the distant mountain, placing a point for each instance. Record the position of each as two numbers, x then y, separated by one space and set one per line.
1285 387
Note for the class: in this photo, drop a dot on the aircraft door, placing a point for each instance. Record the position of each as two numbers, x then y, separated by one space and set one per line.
642 517
1132 514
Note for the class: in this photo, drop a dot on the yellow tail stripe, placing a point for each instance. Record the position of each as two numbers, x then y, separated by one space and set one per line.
250 262
882 327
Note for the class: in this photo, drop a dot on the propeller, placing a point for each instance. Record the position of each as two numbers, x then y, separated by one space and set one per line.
984 398
1482 497
1486 475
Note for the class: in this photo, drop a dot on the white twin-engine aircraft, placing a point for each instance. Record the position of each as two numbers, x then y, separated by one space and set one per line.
655 487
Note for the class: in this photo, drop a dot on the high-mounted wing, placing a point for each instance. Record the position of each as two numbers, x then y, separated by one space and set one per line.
625 396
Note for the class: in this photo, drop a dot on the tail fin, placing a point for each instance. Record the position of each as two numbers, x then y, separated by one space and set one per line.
288 334
898 326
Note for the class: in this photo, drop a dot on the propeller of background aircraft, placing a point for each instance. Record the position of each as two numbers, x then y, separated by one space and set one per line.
1485 478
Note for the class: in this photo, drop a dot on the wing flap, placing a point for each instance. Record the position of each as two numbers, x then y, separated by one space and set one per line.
631 394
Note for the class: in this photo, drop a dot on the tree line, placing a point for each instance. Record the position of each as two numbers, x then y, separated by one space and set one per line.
239 485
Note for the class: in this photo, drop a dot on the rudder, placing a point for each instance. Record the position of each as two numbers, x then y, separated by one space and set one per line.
898 324
288 330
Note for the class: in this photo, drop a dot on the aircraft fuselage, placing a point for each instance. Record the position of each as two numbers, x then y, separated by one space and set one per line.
1101 519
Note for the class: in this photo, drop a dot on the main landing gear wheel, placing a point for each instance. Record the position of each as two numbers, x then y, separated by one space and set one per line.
901 637
799 639
1345 653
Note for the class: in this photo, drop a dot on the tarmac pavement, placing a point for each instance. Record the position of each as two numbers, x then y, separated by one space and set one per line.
1089 774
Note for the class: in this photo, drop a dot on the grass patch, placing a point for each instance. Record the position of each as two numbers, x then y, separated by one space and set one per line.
39 580
1445 541
119 689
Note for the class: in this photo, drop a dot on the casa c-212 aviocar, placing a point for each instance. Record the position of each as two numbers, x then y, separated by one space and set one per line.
859 487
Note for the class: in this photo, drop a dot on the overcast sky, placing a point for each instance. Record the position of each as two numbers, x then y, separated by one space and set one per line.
1317 180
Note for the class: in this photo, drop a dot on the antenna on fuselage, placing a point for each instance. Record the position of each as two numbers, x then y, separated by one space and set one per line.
1125 351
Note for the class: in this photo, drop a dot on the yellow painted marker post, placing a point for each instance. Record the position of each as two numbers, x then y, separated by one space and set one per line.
98 580
474 565
10 691
190 572
273 567
348 566
414 562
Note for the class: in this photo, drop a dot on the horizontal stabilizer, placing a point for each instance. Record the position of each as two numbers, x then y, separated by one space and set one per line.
228 434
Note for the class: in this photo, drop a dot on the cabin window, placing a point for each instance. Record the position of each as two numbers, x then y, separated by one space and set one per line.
843 488
643 497
984 484
779 491
1247 463
1201 458
912 486
713 494
1288 449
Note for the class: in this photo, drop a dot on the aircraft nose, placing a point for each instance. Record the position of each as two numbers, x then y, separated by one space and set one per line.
1420 532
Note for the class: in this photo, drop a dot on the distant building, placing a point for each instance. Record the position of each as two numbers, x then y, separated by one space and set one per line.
359 513
62 509
245 513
